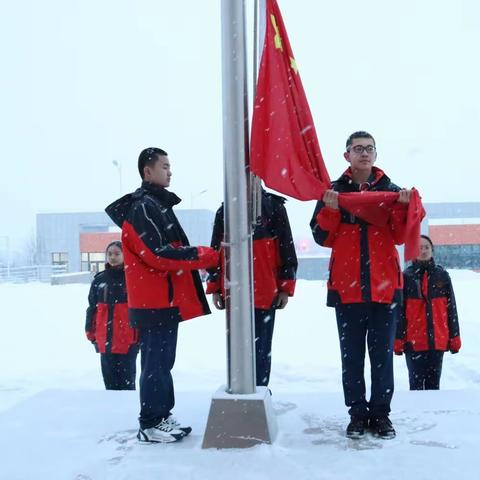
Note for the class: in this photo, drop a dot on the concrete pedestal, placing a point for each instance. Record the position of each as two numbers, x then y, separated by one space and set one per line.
240 421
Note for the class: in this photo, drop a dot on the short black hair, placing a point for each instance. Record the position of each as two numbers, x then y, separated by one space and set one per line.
428 239
359 134
148 157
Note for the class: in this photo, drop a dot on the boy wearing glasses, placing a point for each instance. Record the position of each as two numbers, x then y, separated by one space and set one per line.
365 286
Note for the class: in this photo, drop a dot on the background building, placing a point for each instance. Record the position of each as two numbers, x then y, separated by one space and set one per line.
453 227
455 230
78 240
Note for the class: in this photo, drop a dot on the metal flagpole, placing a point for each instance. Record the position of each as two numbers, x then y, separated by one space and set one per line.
242 415
238 274
258 37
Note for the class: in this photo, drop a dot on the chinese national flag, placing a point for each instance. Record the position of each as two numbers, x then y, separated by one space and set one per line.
285 151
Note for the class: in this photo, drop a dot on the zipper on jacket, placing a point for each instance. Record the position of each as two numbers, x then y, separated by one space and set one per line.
366 288
109 339
430 326
429 314
170 289
399 273
419 287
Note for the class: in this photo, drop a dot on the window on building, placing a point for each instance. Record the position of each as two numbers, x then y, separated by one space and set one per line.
59 258
93 262
458 256
84 267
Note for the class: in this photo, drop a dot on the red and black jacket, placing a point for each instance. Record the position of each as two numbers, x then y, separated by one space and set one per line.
160 266
364 264
429 320
274 257
107 314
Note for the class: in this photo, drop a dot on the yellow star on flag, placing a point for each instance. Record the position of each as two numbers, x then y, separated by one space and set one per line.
277 39
293 64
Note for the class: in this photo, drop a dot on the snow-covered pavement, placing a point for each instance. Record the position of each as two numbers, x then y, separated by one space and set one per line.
59 423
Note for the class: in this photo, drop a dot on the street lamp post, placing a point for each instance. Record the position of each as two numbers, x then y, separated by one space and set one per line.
118 166
195 195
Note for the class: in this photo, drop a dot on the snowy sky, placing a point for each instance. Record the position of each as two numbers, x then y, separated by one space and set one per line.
85 83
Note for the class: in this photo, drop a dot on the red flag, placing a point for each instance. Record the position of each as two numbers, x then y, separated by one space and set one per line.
285 151
375 208
415 215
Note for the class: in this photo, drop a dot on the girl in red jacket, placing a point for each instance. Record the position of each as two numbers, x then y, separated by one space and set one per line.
107 325
429 324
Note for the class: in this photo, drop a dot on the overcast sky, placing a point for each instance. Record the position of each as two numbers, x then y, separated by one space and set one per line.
87 82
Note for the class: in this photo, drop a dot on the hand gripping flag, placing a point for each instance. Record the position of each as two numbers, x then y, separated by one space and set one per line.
285 151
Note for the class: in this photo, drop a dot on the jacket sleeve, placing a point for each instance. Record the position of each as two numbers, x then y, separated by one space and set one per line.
287 272
324 224
453 326
90 322
215 274
147 239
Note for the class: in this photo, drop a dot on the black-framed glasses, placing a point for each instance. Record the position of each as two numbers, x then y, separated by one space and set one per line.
361 149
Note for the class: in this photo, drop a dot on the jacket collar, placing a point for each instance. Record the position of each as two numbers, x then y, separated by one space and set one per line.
376 175
114 269
420 267
169 199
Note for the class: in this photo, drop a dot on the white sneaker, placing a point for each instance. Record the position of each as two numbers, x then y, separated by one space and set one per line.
161 433
175 424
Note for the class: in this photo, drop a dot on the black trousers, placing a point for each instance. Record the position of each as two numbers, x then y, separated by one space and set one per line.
424 369
373 324
119 370
264 323
158 345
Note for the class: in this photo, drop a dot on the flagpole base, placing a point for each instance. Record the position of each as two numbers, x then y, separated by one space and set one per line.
240 421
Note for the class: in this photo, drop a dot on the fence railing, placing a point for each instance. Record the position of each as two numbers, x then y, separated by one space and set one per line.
34 273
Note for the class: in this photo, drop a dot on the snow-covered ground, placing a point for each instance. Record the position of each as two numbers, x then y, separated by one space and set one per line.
57 422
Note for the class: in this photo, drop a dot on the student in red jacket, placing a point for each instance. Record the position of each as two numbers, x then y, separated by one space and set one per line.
429 324
107 324
364 286
274 270
164 288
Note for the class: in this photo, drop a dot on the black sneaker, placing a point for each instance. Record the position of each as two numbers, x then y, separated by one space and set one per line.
356 427
382 427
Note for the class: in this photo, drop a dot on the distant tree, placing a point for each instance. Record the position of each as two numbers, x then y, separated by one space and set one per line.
30 250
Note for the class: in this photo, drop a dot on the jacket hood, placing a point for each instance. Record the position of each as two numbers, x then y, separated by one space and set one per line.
118 210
